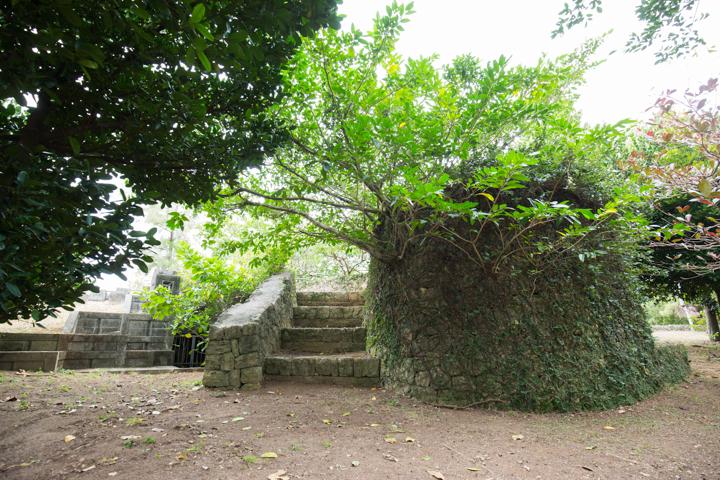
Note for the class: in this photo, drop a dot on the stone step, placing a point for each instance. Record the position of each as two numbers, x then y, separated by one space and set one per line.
356 368
327 316
329 298
323 340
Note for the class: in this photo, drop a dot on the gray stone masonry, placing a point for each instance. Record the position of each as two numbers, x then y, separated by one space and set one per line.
248 332
33 351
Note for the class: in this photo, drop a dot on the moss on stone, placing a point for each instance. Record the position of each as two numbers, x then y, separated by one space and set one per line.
573 338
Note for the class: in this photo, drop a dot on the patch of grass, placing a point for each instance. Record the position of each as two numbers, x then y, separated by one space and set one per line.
129 443
149 441
197 448
327 443
23 405
64 371
64 388
108 416
250 459
296 447
393 403
133 421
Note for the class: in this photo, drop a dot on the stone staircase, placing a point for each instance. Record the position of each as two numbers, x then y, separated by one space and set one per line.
326 343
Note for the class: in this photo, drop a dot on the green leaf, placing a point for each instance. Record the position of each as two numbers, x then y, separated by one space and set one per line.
13 289
74 144
88 63
198 13
203 29
204 60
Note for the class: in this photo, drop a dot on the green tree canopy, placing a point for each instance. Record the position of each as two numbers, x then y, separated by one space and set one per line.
386 151
164 95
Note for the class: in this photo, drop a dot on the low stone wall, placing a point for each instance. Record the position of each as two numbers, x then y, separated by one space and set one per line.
138 324
32 351
246 333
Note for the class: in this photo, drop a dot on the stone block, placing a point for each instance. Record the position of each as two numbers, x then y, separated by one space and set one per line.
217 347
80 346
251 375
212 362
327 367
249 343
247 360
15 346
303 367
44 346
345 367
366 367
235 379
422 379
216 378
228 362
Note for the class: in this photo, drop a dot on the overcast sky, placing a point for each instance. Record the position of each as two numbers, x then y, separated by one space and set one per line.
623 87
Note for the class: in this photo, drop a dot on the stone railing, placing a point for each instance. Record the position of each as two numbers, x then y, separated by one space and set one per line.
246 333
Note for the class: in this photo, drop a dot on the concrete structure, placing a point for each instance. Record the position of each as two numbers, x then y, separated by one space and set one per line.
42 351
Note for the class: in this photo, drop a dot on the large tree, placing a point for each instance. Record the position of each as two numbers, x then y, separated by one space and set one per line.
495 221
161 95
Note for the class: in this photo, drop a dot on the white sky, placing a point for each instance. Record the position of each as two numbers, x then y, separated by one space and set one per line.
623 87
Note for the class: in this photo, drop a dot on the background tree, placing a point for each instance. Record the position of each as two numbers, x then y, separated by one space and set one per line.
669 25
681 272
163 96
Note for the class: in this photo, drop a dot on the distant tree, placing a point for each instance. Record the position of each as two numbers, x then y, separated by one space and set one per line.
674 272
163 95
669 25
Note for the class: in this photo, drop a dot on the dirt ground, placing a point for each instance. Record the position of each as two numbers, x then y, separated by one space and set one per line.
128 426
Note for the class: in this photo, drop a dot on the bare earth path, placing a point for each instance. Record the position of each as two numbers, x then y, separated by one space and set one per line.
166 427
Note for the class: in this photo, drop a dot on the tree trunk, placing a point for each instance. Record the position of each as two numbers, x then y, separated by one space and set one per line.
711 315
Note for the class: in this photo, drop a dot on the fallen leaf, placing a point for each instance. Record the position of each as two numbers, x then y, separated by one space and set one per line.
182 456
390 440
238 419
279 475
518 437
608 427
409 440
426 458
269 455
355 463
473 469
327 421
390 458
108 461
374 424
436 474
11 399
69 438
91 467
591 447
346 414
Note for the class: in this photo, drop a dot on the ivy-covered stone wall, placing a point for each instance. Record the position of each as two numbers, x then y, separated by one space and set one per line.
450 331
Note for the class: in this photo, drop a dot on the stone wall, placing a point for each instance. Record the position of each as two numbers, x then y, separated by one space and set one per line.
137 324
33 351
246 333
